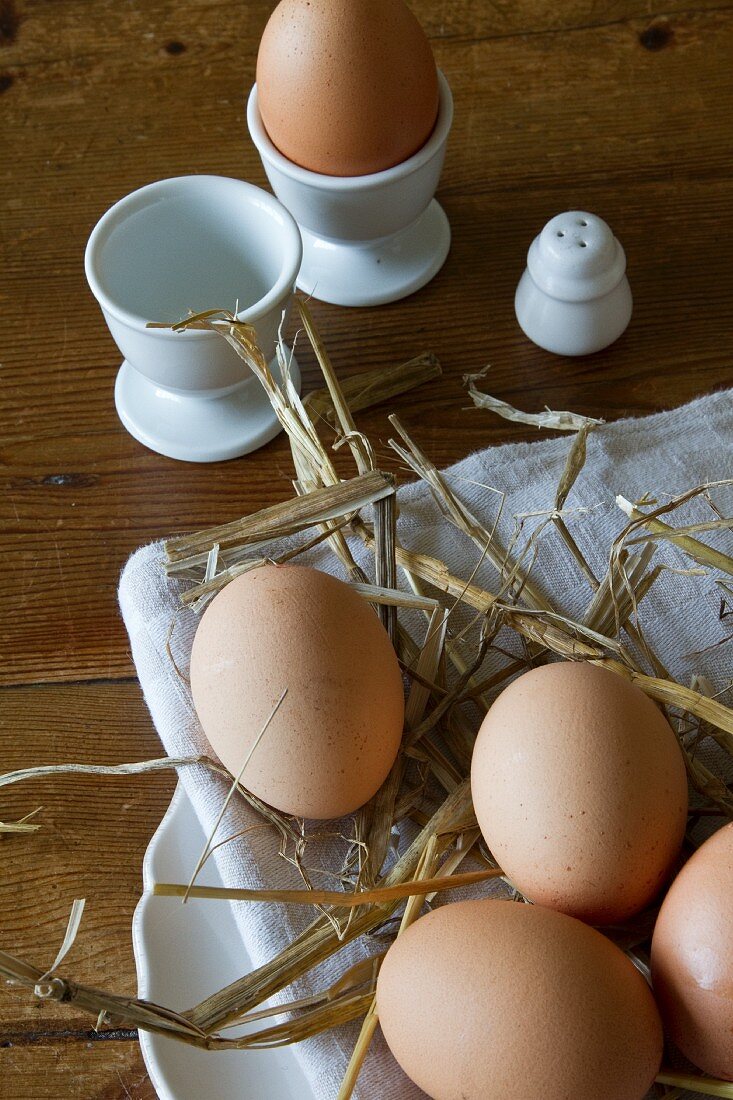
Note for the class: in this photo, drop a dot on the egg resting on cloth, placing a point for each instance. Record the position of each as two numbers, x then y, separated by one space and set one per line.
692 957
495 999
580 790
336 733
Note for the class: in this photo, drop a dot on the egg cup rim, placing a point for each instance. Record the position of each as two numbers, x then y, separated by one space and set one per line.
115 215
372 180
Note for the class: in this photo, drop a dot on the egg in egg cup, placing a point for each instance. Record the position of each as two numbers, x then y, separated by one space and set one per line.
370 239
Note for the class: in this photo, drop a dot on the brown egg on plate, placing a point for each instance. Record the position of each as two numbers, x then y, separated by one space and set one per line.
336 734
692 957
580 790
492 1000
346 87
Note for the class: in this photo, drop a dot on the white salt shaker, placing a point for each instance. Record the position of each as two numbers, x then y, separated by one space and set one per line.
574 297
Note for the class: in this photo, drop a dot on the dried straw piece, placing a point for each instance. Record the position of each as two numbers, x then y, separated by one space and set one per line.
426 668
340 898
234 787
377 814
384 509
132 1011
43 987
611 607
305 1026
289 517
343 413
436 573
443 706
277 820
440 766
25 825
307 484
677 695
558 421
197 598
554 635
709 785
708 1086
313 465
359 1053
211 583
138 768
385 540
550 635
464 847
355 979
698 551
363 391
393 597
573 466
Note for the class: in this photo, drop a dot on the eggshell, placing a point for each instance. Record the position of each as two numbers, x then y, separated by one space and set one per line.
580 790
491 1000
336 735
346 87
692 957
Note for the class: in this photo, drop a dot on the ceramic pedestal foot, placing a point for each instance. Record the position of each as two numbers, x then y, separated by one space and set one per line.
371 273
197 429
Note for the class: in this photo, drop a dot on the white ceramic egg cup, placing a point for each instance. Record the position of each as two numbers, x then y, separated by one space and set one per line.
367 240
574 297
188 244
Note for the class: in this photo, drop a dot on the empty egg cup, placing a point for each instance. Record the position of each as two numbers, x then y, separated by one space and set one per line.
367 240
188 244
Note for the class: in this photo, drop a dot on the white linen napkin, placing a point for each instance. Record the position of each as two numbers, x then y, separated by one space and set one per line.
664 455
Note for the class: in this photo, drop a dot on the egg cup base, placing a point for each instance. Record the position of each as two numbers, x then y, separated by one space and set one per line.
195 428
372 273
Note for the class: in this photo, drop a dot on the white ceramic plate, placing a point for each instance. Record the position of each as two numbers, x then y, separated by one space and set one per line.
186 952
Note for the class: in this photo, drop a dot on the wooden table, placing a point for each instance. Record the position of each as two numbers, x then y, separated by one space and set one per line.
609 108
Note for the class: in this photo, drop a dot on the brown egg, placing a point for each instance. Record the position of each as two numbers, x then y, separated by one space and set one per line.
346 87
580 790
336 735
492 1000
692 957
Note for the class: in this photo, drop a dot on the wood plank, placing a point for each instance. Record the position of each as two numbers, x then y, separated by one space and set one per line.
95 832
204 29
61 1067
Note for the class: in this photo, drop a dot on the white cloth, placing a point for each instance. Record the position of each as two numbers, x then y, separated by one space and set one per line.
664 455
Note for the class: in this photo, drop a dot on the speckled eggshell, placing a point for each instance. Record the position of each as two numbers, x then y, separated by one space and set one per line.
692 957
496 1000
336 735
346 87
580 791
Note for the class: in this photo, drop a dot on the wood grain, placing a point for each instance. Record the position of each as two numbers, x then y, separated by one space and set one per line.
74 1066
94 834
624 108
